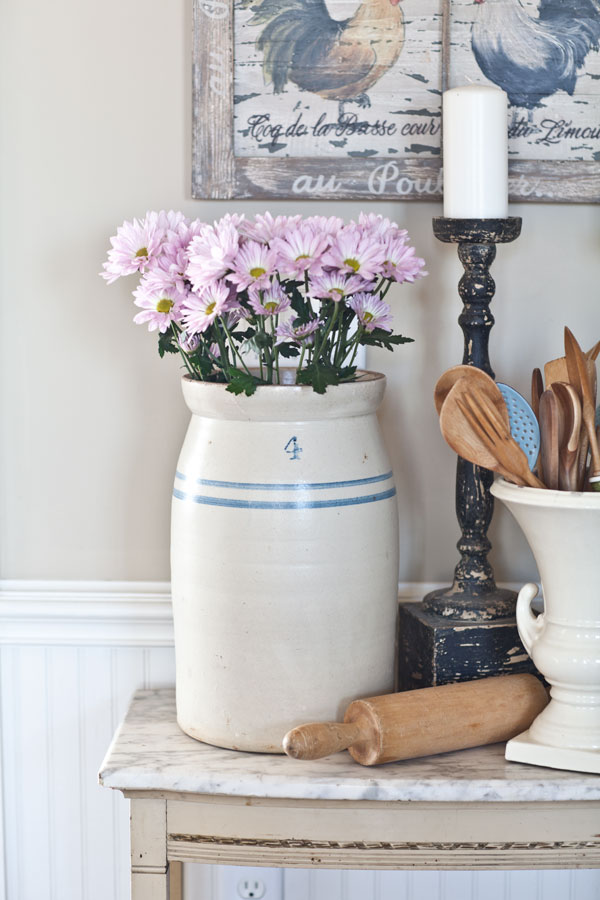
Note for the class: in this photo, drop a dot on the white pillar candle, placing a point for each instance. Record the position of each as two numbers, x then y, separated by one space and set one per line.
475 149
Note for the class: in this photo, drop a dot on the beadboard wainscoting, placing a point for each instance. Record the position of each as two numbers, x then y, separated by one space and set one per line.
71 656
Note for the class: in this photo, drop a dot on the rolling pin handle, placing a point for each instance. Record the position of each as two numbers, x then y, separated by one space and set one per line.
319 739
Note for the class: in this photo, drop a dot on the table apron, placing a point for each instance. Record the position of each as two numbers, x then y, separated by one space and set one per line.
344 834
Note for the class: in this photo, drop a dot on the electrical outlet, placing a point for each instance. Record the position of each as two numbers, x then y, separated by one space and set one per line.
251 888
249 883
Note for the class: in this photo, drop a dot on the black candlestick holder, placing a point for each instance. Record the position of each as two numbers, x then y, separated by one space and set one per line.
445 637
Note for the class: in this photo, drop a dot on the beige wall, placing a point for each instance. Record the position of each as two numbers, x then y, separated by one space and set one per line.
96 128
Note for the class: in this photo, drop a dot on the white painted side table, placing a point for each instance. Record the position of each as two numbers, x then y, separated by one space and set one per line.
191 802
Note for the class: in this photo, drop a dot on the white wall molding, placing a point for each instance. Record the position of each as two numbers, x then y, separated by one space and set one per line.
105 613
83 613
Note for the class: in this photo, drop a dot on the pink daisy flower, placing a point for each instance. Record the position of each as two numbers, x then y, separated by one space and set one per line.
253 264
235 219
371 312
189 342
134 247
302 334
201 309
211 254
379 226
326 224
401 264
169 221
269 302
266 227
234 314
159 306
301 250
356 253
334 285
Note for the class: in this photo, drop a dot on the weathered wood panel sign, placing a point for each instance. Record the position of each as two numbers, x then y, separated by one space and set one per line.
341 99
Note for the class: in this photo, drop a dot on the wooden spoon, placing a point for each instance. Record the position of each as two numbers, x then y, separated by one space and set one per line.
570 405
477 378
462 437
579 376
550 423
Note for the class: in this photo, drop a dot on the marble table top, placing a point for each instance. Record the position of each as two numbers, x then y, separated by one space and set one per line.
150 752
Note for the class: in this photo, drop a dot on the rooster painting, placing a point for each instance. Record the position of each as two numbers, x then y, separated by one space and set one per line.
338 60
532 57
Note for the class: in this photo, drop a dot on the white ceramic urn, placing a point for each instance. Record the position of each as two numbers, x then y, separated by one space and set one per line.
284 558
563 531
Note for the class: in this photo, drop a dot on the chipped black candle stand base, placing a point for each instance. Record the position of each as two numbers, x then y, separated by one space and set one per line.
445 639
436 650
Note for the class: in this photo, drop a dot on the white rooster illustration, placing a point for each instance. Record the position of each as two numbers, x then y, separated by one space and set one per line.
534 57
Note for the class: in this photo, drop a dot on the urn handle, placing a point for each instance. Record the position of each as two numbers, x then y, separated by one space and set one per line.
529 625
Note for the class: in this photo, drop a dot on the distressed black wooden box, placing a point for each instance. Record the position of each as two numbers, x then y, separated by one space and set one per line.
436 650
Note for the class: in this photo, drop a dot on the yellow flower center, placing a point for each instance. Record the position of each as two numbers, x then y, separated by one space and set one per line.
210 308
164 305
303 256
257 271
368 317
143 251
271 306
339 291
353 264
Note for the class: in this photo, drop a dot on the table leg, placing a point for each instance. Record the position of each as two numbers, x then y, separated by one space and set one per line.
151 876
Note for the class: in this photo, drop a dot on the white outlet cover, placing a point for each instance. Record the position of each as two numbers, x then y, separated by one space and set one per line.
249 883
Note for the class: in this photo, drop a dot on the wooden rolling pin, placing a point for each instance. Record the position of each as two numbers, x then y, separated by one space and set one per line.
425 721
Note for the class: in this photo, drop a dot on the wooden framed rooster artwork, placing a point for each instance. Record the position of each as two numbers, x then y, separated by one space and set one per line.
341 99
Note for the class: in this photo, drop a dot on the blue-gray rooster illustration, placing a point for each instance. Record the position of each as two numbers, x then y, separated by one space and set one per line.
338 60
533 57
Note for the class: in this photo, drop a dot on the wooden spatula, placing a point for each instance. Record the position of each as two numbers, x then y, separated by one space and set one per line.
486 423
579 377
466 440
557 369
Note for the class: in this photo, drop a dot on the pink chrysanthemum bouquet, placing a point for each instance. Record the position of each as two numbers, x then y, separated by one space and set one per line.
310 290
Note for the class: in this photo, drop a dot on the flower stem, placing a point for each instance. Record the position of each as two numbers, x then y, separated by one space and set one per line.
274 320
318 353
235 351
189 365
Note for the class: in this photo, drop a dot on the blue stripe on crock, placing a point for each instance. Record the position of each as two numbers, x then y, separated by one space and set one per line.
297 486
282 504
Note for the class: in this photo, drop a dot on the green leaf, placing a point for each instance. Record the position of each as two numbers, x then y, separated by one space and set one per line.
262 339
241 382
288 350
167 343
204 365
380 338
319 376
302 308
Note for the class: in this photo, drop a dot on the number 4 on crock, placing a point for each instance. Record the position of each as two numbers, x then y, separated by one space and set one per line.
292 448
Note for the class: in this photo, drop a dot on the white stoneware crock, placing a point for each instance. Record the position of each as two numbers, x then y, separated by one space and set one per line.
284 556
563 531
